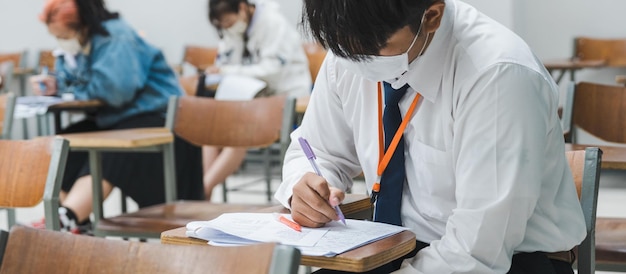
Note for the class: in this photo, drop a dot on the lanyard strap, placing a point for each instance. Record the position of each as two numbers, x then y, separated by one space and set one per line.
385 156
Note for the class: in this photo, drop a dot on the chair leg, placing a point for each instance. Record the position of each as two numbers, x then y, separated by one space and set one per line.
123 202
95 167
224 192
10 217
267 165
169 166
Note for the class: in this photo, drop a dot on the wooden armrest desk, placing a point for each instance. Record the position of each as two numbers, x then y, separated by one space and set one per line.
360 259
156 139
571 65
74 105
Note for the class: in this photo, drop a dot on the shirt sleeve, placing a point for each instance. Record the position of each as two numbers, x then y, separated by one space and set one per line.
116 73
501 123
328 134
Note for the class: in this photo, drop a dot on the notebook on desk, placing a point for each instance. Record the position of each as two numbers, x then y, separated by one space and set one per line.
249 228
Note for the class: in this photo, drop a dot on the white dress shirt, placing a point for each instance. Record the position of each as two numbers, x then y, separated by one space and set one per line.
278 57
485 161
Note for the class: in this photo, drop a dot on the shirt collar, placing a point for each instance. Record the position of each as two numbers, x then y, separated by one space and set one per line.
426 72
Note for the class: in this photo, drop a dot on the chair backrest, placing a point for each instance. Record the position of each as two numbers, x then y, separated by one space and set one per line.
585 167
189 84
259 122
18 58
46 59
30 250
7 107
612 51
200 57
31 171
6 75
596 108
315 54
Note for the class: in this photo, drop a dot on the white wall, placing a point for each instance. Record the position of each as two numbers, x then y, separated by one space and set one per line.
167 24
547 26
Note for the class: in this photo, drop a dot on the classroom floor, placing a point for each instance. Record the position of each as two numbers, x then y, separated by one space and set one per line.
612 199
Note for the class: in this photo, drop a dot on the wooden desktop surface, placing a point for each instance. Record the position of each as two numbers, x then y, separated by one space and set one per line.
612 157
123 138
360 259
354 206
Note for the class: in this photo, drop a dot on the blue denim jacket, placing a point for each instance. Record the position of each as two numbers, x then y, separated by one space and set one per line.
130 76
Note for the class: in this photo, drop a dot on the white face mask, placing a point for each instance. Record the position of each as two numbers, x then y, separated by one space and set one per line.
70 46
384 68
237 29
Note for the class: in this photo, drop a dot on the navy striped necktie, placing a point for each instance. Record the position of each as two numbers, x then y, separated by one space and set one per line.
392 180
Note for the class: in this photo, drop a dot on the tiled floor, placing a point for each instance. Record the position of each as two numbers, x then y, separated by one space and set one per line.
612 200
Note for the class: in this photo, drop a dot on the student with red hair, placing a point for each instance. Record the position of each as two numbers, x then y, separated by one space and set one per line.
103 58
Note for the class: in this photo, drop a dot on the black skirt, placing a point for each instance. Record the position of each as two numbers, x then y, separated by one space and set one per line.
139 174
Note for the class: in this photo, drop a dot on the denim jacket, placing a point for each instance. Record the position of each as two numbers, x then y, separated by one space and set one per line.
130 76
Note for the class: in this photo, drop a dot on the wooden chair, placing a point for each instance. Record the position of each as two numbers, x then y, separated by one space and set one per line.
7 106
31 172
198 120
591 53
585 167
315 55
600 110
28 250
197 56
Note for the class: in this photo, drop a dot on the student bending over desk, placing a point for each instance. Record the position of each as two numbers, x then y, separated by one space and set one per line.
478 173
256 41
104 58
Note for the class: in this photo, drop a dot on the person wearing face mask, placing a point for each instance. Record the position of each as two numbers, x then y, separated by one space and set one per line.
101 57
453 122
257 41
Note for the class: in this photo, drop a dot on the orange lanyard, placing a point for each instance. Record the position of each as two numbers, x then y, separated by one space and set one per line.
385 156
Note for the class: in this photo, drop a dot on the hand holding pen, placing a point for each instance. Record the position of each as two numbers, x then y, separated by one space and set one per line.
308 151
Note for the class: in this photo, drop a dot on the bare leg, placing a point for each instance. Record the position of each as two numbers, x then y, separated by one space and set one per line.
80 197
226 163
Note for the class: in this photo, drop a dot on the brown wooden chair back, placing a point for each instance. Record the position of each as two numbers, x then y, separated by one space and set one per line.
613 51
315 54
598 109
585 167
46 59
16 58
200 57
253 123
31 250
189 84
31 172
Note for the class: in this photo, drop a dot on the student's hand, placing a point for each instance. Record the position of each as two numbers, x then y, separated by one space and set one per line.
50 83
313 200
212 70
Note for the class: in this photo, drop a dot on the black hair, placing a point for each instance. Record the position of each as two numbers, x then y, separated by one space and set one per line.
354 29
92 13
217 8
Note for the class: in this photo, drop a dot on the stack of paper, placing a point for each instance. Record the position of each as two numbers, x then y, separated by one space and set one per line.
249 228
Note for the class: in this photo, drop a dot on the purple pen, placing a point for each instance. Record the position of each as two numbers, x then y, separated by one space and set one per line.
308 152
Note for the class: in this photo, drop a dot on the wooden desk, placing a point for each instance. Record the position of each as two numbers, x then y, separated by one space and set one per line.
571 66
123 138
158 139
360 259
74 105
612 157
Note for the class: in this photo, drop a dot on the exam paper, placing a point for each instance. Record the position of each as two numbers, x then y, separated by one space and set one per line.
236 88
250 228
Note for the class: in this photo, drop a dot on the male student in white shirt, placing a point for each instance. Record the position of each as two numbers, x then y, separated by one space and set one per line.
486 187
